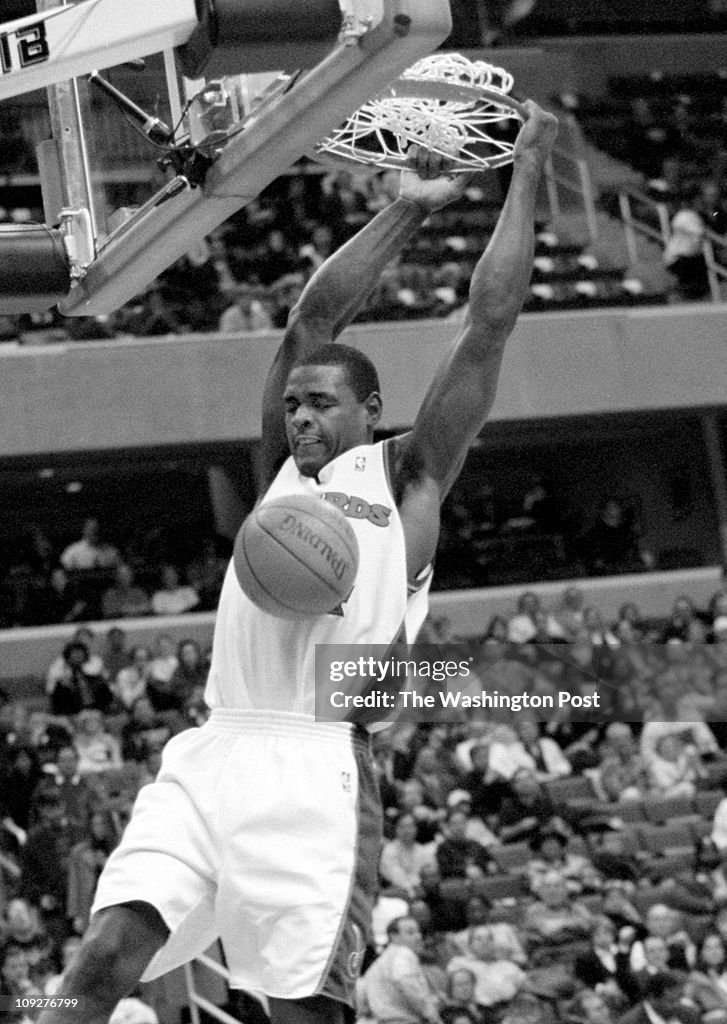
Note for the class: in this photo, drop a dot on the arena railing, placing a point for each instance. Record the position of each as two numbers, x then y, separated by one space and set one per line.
657 229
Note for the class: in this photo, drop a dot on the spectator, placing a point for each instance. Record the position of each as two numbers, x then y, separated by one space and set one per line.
130 683
164 662
665 923
605 967
395 988
97 749
674 768
497 981
174 597
460 995
45 862
662 1001
73 790
124 599
508 944
556 925
457 856
551 853
527 810
85 862
22 779
190 673
622 773
74 688
247 313
59 600
612 543
402 858
683 256
144 732
15 982
90 551
23 929
116 653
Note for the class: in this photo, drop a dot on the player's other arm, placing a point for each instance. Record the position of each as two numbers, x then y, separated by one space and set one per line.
461 395
336 292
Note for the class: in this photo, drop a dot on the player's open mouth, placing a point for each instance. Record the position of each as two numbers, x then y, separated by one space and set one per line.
306 442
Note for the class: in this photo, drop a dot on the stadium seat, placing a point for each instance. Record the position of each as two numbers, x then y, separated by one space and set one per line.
500 887
574 787
707 802
664 809
512 858
663 839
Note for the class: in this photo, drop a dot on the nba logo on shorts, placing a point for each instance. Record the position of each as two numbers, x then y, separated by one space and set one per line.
360 463
346 781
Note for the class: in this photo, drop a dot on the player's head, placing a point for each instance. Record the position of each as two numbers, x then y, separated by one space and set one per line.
332 404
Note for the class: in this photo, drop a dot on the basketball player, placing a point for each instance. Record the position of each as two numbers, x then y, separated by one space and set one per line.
263 826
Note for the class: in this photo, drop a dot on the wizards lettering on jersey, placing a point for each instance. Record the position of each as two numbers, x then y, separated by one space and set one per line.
358 508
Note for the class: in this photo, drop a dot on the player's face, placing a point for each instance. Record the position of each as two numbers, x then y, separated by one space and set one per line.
323 417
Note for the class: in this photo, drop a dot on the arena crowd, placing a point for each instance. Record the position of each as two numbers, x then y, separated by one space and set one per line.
565 866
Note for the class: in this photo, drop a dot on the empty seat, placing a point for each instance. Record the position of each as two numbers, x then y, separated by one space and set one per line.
511 857
663 809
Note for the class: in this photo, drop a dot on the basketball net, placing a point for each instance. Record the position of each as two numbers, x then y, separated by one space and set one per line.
445 103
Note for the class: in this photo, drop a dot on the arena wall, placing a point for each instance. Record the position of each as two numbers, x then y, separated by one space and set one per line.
183 390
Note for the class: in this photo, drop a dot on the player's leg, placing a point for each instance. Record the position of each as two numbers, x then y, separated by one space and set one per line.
313 1010
118 945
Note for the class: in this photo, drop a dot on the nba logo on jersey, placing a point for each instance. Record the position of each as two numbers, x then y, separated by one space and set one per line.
346 781
360 463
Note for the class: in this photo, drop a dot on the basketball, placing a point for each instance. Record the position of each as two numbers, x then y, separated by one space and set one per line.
296 556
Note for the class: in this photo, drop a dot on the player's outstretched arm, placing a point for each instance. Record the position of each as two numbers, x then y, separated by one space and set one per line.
338 289
461 395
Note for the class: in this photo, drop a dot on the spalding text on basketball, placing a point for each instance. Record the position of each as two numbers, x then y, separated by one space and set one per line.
291 524
358 508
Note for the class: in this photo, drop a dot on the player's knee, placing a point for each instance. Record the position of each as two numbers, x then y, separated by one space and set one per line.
117 946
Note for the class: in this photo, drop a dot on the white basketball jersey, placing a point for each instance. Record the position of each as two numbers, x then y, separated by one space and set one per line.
261 662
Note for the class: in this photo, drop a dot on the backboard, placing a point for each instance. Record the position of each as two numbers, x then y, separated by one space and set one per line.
124 218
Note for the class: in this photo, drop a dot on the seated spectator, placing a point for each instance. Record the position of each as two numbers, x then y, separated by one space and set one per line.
556 924
73 688
527 810
247 313
589 1007
550 852
547 757
97 749
663 1000
59 599
190 673
695 732
206 575
460 995
73 790
90 551
174 597
124 600
22 928
622 773
605 967
674 768
143 732
475 828
508 944
426 815
665 923
131 681
707 983
457 856
164 662
20 785
612 543
402 858
116 653
395 987
85 863
436 778
15 981
497 981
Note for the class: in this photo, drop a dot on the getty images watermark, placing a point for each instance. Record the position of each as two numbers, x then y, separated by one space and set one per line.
370 683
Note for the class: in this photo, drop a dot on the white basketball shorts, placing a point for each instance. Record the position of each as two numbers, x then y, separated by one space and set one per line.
262 829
